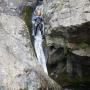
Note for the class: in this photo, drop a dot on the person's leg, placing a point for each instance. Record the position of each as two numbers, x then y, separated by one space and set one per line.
41 29
35 31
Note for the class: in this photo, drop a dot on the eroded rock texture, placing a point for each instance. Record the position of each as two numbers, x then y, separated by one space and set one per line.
68 40
13 7
15 54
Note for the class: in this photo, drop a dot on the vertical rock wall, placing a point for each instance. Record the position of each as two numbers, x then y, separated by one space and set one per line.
68 40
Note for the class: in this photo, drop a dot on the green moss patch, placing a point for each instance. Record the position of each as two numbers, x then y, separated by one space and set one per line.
65 79
83 45
27 16
27 12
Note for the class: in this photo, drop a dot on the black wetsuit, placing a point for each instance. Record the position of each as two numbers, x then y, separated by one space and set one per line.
38 25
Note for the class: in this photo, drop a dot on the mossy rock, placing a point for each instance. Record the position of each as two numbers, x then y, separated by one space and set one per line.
83 45
27 15
64 79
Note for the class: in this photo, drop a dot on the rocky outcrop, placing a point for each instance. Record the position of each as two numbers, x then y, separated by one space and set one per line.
15 56
68 39
14 7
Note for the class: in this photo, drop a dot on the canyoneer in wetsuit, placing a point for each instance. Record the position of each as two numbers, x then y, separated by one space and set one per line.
37 22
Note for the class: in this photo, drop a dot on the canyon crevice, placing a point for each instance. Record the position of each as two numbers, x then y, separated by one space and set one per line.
19 69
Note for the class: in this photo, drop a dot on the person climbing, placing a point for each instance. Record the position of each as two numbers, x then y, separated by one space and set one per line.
37 22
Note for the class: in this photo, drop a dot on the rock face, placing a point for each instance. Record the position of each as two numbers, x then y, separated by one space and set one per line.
19 69
13 7
68 39
15 55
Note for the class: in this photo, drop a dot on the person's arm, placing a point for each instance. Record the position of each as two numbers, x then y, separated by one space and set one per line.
42 19
33 20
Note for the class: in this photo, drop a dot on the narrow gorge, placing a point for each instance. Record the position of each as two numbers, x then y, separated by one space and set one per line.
60 61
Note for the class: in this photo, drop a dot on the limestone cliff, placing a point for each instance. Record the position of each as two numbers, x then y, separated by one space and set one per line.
68 40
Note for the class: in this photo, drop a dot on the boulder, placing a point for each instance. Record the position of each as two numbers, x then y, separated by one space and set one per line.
68 37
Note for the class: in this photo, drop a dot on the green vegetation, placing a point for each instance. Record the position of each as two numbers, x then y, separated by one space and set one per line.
83 45
27 12
65 79
27 16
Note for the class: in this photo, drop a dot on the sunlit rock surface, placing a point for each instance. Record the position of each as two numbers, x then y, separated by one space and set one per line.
17 59
69 20
13 7
16 55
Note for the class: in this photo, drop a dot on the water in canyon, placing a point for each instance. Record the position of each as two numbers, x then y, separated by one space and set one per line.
38 40
39 50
